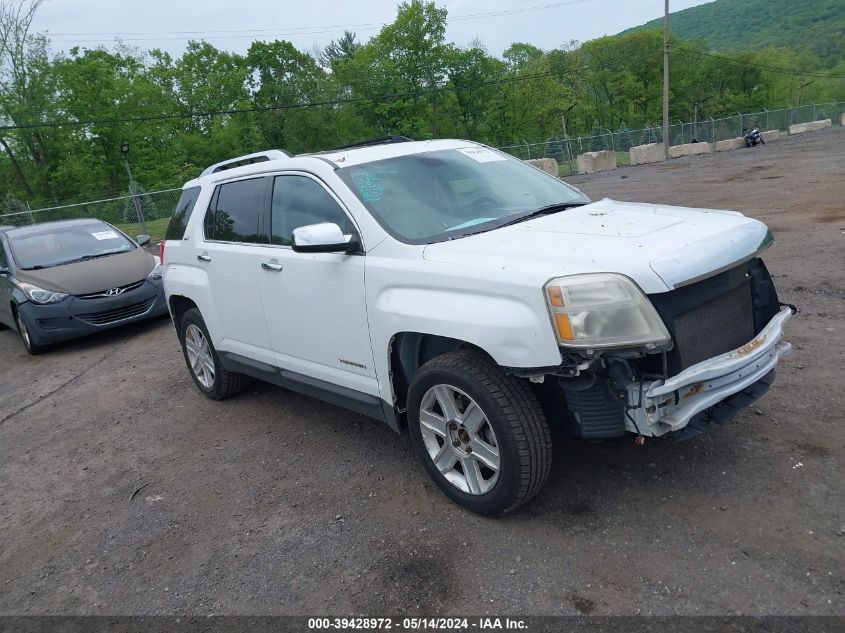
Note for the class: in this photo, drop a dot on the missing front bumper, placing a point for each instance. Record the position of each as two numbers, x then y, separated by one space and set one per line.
659 407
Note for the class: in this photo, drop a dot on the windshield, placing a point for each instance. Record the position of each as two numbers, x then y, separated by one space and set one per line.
54 246
445 194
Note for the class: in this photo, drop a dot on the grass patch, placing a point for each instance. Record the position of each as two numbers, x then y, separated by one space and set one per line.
157 229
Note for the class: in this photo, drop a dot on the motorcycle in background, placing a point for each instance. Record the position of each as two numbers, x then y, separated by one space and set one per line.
754 138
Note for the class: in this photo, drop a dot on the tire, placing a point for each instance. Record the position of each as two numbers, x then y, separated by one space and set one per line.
496 419
24 327
209 376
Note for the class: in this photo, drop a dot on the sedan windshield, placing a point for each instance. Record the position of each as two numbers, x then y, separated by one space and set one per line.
446 194
34 248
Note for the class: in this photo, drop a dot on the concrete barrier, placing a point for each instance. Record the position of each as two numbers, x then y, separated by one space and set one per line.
548 165
843 119
650 153
800 128
772 135
690 149
729 144
591 162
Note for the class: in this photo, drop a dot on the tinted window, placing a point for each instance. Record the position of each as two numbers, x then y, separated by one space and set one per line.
52 246
299 201
236 212
179 220
4 261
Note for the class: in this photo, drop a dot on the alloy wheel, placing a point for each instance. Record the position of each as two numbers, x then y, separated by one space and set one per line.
22 329
459 439
199 354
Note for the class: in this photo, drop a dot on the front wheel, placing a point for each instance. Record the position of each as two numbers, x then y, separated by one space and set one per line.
26 337
203 362
481 435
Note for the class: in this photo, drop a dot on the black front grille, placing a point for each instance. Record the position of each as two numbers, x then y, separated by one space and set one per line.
119 314
715 327
715 315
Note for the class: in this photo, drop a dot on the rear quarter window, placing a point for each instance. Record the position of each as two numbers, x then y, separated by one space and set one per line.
180 217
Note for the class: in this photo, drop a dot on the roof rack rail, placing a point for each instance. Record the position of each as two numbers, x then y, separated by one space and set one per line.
383 140
249 159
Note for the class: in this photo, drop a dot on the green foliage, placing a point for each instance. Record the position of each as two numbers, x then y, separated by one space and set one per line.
734 25
181 114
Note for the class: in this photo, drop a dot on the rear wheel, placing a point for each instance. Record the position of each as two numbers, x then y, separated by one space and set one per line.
481 435
24 330
203 362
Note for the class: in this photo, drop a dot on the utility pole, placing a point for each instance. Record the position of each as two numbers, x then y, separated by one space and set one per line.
566 136
666 80
124 149
800 88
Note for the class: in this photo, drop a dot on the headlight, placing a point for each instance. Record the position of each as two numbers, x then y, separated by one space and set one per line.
603 310
39 295
155 273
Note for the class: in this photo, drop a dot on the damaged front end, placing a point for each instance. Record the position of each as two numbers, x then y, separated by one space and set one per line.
726 336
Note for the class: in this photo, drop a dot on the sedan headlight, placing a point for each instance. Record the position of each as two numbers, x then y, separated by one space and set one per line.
39 295
603 310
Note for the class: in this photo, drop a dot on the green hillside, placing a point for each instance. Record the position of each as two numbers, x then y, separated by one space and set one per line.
732 25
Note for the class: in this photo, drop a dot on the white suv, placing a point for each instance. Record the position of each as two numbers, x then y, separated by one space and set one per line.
453 290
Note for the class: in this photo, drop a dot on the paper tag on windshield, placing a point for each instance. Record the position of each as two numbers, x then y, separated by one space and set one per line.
105 235
481 154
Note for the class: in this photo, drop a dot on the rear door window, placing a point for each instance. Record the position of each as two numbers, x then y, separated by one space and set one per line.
235 212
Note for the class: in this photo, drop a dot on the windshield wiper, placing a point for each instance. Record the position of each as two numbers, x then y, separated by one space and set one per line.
544 210
85 258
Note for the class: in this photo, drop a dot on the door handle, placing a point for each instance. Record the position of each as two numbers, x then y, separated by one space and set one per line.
204 258
271 266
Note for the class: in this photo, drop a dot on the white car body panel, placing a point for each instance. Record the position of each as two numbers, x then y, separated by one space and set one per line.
656 246
332 317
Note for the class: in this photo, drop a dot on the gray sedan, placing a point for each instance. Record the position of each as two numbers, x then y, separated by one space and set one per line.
63 280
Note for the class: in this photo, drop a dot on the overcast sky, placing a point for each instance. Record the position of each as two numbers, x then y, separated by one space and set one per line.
233 25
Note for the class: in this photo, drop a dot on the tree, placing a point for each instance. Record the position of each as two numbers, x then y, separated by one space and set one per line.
25 80
342 48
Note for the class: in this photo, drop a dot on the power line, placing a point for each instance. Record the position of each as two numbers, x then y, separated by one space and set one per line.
683 50
259 109
143 36
601 64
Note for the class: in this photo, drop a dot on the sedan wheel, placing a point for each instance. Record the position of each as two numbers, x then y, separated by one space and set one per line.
26 337
199 356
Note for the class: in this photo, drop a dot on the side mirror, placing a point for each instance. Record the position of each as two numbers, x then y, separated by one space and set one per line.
143 240
323 238
4 270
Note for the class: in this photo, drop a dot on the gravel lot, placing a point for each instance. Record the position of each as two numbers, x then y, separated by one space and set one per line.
273 503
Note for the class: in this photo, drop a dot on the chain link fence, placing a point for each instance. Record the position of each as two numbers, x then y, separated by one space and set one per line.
129 212
565 150
125 212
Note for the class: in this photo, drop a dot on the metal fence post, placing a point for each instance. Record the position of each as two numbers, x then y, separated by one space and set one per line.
612 144
712 130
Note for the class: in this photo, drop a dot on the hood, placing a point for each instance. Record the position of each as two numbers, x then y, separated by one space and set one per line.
659 247
92 276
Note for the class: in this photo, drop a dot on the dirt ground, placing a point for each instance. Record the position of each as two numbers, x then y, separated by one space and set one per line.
273 503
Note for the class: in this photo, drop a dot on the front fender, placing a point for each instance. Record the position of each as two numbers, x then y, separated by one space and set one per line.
508 329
